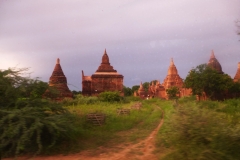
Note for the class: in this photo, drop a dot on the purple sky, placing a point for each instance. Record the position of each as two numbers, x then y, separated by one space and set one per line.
140 36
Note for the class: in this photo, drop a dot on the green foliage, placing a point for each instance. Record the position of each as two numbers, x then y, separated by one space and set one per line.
199 131
33 127
10 81
135 88
133 98
110 96
205 79
173 92
76 93
28 123
146 86
234 90
33 88
127 91
15 86
80 99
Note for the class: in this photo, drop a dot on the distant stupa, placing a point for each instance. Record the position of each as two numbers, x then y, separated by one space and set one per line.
213 63
59 81
172 78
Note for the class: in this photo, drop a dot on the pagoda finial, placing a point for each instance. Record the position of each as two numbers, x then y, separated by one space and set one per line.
105 52
58 61
212 55
171 63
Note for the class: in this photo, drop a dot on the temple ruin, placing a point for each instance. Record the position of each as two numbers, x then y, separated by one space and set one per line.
160 90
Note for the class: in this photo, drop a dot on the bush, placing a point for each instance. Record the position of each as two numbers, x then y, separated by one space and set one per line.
110 97
31 129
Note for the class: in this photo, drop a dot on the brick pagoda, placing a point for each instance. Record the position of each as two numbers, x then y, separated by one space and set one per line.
59 81
213 63
172 78
104 79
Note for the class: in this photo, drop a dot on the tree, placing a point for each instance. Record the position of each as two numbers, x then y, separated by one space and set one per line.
154 82
204 79
135 88
145 86
33 88
10 86
173 92
234 90
127 91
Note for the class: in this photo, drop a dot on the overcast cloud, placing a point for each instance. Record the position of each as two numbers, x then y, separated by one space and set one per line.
141 36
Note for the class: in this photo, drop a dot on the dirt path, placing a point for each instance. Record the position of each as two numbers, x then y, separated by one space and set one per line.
142 150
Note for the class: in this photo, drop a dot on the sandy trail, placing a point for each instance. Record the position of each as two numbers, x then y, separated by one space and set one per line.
142 150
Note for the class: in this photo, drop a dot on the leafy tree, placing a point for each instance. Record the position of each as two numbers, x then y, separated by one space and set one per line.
173 92
135 88
234 90
10 86
154 82
145 86
127 91
33 88
205 79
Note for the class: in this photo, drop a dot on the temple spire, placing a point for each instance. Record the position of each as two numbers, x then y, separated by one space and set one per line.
171 63
105 65
212 55
58 61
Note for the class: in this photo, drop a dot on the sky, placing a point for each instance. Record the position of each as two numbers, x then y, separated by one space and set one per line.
140 36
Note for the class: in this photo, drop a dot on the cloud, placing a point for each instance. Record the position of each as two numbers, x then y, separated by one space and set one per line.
140 36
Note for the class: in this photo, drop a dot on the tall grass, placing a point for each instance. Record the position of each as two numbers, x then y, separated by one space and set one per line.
201 131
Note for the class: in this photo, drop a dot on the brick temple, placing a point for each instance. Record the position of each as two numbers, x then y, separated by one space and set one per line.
159 90
104 79
59 81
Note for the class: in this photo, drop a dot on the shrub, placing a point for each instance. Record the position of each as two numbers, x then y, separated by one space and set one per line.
31 129
110 96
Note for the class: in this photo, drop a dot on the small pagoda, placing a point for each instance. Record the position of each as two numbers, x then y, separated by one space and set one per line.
214 64
172 78
237 76
58 81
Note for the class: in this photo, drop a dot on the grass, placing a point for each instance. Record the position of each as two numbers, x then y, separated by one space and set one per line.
118 129
200 130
